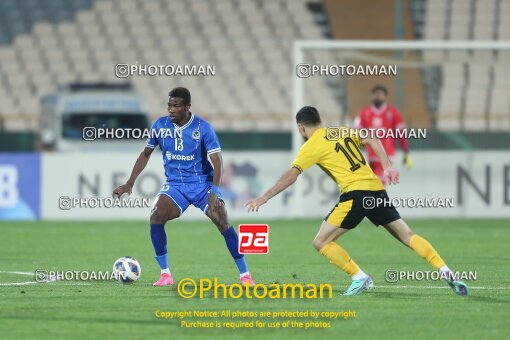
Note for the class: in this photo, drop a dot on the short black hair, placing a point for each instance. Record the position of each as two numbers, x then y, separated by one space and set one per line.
377 88
309 116
181 92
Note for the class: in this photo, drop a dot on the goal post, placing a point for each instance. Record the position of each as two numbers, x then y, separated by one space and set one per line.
447 73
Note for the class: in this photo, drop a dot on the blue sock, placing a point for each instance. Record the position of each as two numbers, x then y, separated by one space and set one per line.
158 237
232 241
162 261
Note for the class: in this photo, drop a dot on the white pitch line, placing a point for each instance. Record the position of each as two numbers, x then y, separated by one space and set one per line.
26 283
434 287
148 284
16 273
19 283
393 286
424 287
35 282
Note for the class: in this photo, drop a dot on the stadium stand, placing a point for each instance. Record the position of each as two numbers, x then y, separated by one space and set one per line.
83 43
473 93
249 42
378 25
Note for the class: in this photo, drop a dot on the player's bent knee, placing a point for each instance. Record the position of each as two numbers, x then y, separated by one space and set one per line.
401 231
405 233
157 218
406 237
222 224
219 218
319 243
222 228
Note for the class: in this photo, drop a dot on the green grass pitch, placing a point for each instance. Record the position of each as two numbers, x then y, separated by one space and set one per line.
104 310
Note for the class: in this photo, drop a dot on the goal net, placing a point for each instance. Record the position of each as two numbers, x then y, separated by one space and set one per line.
437 85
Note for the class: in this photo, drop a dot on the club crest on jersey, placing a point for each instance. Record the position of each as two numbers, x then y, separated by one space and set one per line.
168 155
195 134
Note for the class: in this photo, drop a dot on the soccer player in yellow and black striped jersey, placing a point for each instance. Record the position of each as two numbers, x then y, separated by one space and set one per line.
337 152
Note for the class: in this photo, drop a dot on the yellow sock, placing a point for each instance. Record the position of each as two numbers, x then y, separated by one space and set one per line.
423 248
339 257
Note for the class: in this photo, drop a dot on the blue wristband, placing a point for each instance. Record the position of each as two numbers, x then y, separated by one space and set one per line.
215 190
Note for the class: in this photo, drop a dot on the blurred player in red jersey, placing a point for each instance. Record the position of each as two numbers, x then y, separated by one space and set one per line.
380 115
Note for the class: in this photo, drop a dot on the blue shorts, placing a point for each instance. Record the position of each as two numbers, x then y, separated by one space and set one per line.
184 194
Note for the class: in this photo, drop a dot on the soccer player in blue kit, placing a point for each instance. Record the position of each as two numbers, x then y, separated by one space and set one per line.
193 169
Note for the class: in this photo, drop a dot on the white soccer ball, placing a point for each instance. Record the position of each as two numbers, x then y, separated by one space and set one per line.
127 269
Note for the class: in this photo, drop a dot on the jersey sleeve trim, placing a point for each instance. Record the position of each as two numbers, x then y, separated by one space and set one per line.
298 167
214 151
150 146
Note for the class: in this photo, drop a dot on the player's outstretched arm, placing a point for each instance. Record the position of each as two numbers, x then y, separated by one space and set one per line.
376 145
285 181
217 162
140 164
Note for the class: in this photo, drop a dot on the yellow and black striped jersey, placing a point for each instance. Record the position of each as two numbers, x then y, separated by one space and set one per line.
336 151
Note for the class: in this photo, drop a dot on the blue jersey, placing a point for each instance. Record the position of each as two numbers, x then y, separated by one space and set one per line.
185 149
